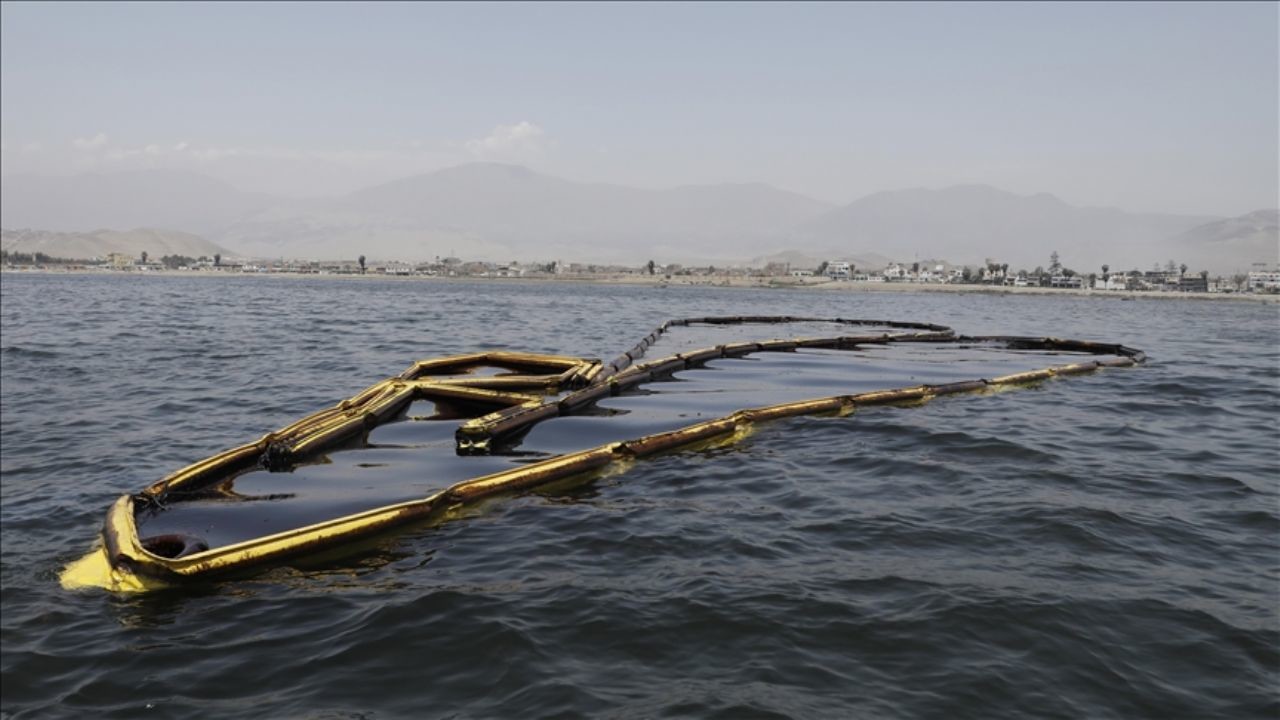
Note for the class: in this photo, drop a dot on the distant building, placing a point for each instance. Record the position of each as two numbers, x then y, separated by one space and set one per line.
838 270
1160 280
1264 280
1193 283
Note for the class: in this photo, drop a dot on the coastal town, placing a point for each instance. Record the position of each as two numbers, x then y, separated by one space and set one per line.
1169 277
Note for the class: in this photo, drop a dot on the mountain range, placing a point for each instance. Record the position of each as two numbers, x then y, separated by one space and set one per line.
508 212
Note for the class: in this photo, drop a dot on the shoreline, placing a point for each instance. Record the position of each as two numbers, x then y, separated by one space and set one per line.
846 286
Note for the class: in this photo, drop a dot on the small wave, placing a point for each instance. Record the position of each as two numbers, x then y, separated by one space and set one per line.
19 351
1213 484
1262 520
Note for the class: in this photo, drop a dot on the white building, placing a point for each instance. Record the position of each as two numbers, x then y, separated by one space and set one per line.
1264 280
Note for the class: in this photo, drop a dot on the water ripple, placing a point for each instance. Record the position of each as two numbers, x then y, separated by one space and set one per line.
1101 546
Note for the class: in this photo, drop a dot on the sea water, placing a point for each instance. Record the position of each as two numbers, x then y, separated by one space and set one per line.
1105 545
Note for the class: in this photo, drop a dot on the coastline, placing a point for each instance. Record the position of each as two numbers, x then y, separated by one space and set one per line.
766 283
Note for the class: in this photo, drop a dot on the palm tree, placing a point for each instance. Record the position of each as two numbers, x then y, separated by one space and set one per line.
651 266
144 257
361 261
217 259
1183 268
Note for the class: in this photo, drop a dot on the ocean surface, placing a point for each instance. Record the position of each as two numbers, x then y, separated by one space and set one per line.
1103 546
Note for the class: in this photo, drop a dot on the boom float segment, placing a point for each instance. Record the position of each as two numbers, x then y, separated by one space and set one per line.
127 562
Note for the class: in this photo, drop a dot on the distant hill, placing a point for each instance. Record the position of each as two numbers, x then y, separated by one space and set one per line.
100 243
1233 244
507 211
143 198
969 223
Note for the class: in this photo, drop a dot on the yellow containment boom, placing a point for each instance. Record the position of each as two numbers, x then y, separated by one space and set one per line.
502 407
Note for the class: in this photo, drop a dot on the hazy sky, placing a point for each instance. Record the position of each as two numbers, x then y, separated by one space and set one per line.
1169 108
